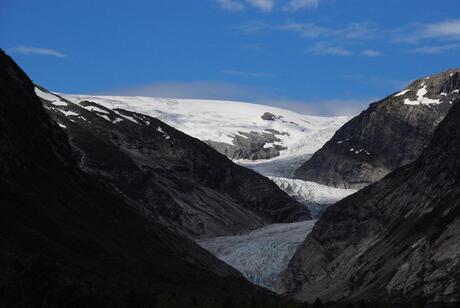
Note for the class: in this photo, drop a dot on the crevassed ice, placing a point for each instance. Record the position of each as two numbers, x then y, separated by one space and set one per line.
262 254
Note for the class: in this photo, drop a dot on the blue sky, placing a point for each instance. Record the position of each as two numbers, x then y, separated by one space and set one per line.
316 56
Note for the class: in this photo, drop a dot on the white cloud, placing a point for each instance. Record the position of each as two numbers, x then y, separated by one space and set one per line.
30 50
296 5
324 49
231 5
371 53
263 5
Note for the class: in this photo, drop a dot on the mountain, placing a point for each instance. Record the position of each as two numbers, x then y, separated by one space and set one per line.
176 179
241 131
397 240
389 134
67 240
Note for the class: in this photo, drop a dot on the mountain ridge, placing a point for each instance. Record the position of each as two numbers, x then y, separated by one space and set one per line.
389 134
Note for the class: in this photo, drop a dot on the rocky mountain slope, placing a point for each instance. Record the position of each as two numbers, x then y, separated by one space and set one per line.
394 241
68 241
241 131
389 134
176 179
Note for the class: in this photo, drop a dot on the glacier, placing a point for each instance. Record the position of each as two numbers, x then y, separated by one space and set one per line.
262 254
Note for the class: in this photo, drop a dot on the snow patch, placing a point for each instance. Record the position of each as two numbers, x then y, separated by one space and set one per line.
159 129
68 113
53 99
421 99
402 92
96 109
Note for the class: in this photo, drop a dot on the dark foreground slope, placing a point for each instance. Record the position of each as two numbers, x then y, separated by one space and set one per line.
176 179
66 241
389 134
397 240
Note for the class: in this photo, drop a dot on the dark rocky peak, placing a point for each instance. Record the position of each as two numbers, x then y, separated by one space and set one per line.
68 240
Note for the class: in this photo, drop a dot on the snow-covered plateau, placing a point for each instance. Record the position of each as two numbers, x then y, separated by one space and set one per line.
238 130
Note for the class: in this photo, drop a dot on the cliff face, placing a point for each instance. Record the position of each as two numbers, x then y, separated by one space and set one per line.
389 134
396 240
68 241
175 179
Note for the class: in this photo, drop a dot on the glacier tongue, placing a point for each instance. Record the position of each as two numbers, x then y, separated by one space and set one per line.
314 196
262 254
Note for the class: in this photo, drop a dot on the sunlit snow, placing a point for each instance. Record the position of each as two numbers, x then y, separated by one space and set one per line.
221 121
421 99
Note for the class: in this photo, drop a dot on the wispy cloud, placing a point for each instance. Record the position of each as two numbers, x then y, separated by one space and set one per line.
338 39
297 5
418 33
324 49
263 5
348 32
446 29
231 5
435 49
247 74
30 50
371 53
267 6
